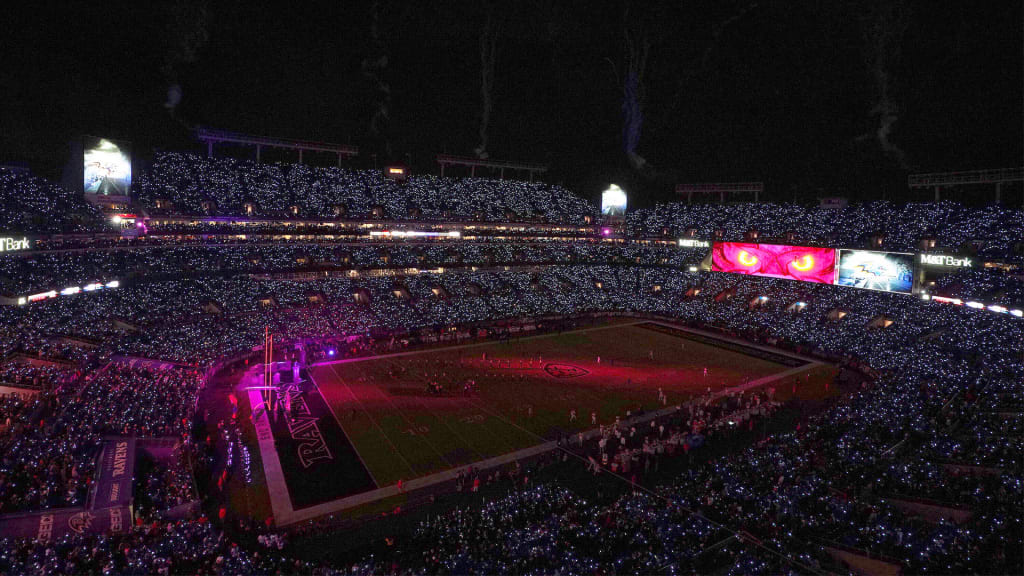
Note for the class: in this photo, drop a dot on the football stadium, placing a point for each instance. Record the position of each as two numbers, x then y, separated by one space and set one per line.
721 289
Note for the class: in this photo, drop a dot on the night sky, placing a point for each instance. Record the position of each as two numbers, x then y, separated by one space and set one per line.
780 91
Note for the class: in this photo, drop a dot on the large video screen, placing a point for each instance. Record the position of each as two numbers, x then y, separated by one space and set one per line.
885 271
613 201
107 167
776 261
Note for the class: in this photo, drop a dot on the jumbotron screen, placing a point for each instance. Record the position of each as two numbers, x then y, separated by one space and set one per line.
885 271
776 261
107 167
613 201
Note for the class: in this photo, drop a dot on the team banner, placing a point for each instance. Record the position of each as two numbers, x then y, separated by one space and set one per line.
884 271
114 474
802 263
59 522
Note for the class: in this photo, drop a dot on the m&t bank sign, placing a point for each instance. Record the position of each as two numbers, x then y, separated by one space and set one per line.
13 244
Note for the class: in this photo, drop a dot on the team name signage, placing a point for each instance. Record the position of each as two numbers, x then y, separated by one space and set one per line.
941 260
691 243
12 244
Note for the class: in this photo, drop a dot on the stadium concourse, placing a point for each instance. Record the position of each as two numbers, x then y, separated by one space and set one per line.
124 447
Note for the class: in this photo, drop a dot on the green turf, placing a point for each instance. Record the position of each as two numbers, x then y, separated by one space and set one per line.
401 432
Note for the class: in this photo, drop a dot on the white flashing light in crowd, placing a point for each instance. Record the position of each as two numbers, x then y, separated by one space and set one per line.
113 284
977 305
998 308
1017 313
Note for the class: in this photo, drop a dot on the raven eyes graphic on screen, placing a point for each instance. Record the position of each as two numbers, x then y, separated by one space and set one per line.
779 261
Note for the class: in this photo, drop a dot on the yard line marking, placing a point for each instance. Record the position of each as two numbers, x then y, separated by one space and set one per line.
444 421
376 388
351 443
500 439
372 419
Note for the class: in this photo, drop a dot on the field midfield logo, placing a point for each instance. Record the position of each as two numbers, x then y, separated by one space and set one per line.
565 371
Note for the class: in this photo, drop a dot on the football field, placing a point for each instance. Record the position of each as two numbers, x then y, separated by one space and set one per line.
521 392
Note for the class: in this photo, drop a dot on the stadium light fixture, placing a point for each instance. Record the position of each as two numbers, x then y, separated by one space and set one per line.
977 305
1017 313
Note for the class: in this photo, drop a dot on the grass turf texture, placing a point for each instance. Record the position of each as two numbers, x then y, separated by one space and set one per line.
401 432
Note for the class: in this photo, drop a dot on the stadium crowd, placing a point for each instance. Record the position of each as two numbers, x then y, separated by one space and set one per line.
50 440
47 270
33 205
188 181
988 232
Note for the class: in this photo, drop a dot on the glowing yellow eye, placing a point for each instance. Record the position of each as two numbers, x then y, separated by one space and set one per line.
804 264
747 259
